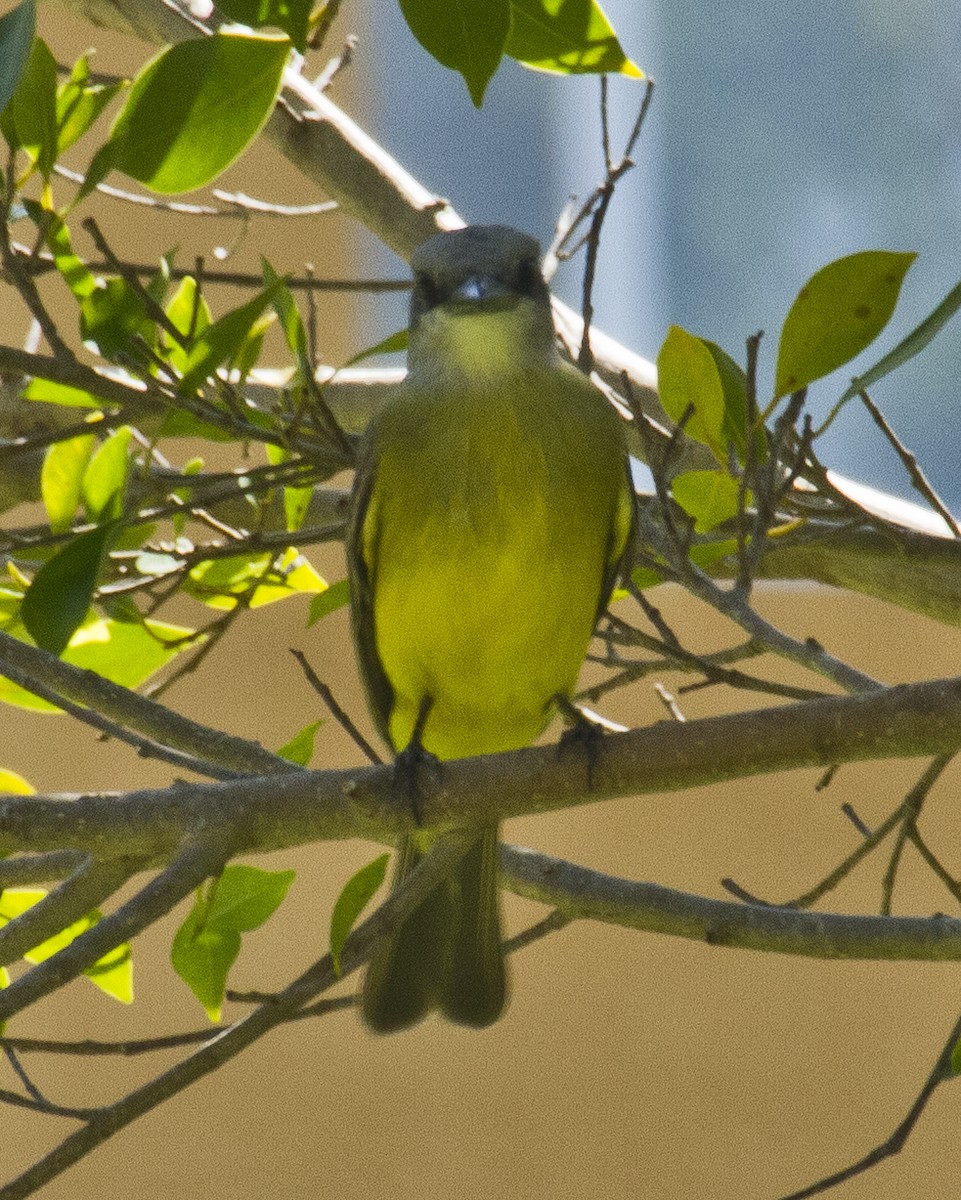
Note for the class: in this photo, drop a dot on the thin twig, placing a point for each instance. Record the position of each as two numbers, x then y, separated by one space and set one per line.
941 1071
919 481
339 714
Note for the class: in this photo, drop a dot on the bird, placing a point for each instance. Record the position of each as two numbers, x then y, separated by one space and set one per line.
492 510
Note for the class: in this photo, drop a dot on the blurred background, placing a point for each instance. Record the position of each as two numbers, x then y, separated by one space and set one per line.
628 1065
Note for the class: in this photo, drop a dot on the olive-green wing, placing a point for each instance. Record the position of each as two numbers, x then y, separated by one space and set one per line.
620 545
380 694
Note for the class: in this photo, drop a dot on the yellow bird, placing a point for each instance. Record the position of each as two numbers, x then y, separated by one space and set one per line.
492 509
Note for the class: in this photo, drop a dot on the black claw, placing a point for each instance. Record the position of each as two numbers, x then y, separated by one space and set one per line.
582 734
411 760
407 767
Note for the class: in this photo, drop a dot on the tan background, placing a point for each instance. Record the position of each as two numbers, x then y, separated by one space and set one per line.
628 1065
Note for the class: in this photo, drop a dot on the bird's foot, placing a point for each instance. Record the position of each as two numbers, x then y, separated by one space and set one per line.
585 731
411 761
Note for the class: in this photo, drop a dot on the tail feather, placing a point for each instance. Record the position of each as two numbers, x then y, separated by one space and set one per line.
447 954
476 984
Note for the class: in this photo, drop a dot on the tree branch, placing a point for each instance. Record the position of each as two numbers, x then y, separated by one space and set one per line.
255 815
126 708
226 1044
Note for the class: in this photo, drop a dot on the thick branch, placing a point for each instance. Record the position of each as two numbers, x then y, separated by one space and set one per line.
648 906
137 712
226 1044
907 721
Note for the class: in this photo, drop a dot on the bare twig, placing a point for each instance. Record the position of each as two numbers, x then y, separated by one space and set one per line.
340 715
941 1071
919 481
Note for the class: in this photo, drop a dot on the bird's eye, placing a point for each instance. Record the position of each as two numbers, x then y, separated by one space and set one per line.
530 281
425 291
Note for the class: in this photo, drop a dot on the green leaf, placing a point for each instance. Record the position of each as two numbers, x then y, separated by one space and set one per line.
189 313
225 339
13 784
351 903
296 499
243 898
17 29
645 577
61 478
57 601
328 601
203 958
261 579
122 652
569 37
904 351
105 479
51 392
113 973
286 308
840 310
193 110
33 108
393 344
74 271
111 316
708 554
687 375
466 35
79 104
711 497
206 946
292 16
300 748
734 428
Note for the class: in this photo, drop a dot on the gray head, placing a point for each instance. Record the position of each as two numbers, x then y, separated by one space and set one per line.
479 272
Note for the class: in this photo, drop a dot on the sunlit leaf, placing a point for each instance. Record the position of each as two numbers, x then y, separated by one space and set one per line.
105 478
223 340
221 583
77 276
569 37
351 903
80 103
49 392
124 653
113 973
300 748
193 110
840 310
61 478
13 784
189 313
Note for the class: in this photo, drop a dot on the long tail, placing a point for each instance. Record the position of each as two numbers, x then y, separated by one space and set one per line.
448 953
